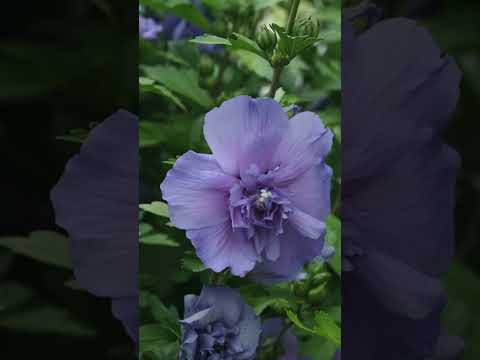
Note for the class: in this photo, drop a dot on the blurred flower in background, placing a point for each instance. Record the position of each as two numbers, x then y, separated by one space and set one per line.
149 28
397 188
96 201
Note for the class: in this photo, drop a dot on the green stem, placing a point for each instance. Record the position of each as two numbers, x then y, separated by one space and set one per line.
292 16
277 74
277 71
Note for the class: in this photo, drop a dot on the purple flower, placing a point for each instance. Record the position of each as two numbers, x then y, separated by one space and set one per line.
148 28
218 325
178 29
272 329
260 200
96 201
398 180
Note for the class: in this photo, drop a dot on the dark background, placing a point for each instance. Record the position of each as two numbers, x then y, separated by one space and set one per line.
63 65
455 27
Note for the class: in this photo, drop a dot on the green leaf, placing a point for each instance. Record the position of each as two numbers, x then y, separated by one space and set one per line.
255 63
181 8
159 239
324 326
44 246
157 207
211 40
181 81
166 317
150 134
291 46
240 42
334 238
75 135
45 319
144 229
193 264
156 338
13 294
262 303
148 85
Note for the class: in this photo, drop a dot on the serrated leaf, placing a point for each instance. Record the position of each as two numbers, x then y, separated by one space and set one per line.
45 246
325 326
157 207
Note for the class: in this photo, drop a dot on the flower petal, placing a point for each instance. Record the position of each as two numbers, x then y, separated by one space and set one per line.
126 310
306 225
96 201
197 192
220 247
306 143
245 131
311 192
295 251
390 94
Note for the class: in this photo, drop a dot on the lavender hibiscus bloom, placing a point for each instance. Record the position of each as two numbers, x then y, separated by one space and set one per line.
178 29
218 325
96 201
398 185
260 200
148 28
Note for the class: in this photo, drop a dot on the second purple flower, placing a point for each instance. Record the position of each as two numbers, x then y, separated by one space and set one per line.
259 201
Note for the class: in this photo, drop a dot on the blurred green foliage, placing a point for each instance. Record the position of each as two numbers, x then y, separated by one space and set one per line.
63 66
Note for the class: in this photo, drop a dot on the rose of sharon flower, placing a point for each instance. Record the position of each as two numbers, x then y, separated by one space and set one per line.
148 28
260 200
218 325
398 181
96 201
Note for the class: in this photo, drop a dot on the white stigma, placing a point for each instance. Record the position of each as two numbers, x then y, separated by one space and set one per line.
264 195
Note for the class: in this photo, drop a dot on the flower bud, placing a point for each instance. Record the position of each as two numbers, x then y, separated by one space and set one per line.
266 39
300 288
320 278
206 66
307 27
316 295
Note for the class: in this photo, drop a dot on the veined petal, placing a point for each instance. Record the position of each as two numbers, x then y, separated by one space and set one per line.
311 191
245 131
295 251
220 247
197 192
306 225
306 144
